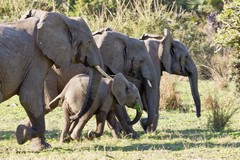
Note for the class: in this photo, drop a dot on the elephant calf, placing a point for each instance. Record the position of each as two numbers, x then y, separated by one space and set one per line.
110 92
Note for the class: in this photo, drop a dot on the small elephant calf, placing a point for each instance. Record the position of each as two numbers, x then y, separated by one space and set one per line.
110 91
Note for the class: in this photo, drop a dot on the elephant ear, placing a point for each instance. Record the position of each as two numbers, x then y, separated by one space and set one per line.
119 88
55 37
165 50
114 50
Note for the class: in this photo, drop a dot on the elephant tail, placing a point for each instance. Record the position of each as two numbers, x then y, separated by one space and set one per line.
55 102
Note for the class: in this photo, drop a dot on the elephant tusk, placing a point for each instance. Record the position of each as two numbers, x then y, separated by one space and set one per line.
149 83
102 72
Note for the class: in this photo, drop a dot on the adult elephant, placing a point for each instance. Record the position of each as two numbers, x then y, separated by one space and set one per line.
172 56
123 54
28 49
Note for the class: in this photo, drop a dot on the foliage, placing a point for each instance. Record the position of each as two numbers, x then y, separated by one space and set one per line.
220 113
228 36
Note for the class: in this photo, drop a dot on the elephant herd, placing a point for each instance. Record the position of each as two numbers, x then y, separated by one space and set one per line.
49 59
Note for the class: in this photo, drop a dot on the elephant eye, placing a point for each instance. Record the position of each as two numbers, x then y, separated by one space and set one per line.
70 37
141 61
126 90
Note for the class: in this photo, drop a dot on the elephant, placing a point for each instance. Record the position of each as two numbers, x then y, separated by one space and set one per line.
173 57
129 56
111 91
28 49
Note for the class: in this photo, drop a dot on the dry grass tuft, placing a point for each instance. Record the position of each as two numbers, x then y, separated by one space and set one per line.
217 70
219 112
169 97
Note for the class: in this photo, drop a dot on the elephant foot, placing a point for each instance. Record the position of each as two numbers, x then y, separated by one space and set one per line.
91 135
23 134
132 136
65 140
143 123
75 136
39 144
147 129
116 135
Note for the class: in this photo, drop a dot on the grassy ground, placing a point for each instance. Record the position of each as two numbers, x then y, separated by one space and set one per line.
179 136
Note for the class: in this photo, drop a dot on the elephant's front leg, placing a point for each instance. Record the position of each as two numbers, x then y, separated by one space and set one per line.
113 124
100 118
34 133
31 98
123 118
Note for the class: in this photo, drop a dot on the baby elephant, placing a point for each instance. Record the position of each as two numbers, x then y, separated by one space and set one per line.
110 92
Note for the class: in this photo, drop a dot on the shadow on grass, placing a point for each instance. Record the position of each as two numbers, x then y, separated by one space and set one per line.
7 135
173 140
179 140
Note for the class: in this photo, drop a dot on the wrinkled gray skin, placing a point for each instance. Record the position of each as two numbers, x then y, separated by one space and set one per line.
172 56
123 54
93 60
110 92
28 49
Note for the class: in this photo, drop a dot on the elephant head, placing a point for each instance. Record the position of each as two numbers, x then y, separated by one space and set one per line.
126 93
123 54
174 59
58 35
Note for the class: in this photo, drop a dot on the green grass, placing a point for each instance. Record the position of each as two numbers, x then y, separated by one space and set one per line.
179 136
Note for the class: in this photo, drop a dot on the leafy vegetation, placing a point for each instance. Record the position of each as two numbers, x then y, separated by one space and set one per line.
228 36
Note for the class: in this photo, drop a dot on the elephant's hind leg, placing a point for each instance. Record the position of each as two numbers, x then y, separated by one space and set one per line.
67 123
77 129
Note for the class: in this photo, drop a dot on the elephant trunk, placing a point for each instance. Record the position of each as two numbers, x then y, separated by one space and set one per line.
150 95
151 103
139 108
193 80
93 84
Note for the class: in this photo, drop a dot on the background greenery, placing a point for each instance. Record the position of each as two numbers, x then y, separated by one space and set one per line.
210 30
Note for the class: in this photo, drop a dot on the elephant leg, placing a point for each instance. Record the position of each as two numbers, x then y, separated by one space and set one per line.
100 118
72 126
50 90
153 127
77 129
1 94
31 98
113 124
67 123
34 133
123 118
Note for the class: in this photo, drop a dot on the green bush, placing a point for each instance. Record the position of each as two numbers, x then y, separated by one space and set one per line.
219 112
228 36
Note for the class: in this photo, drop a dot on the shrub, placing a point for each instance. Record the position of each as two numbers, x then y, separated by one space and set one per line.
217 69
169 97
228 36
219 113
